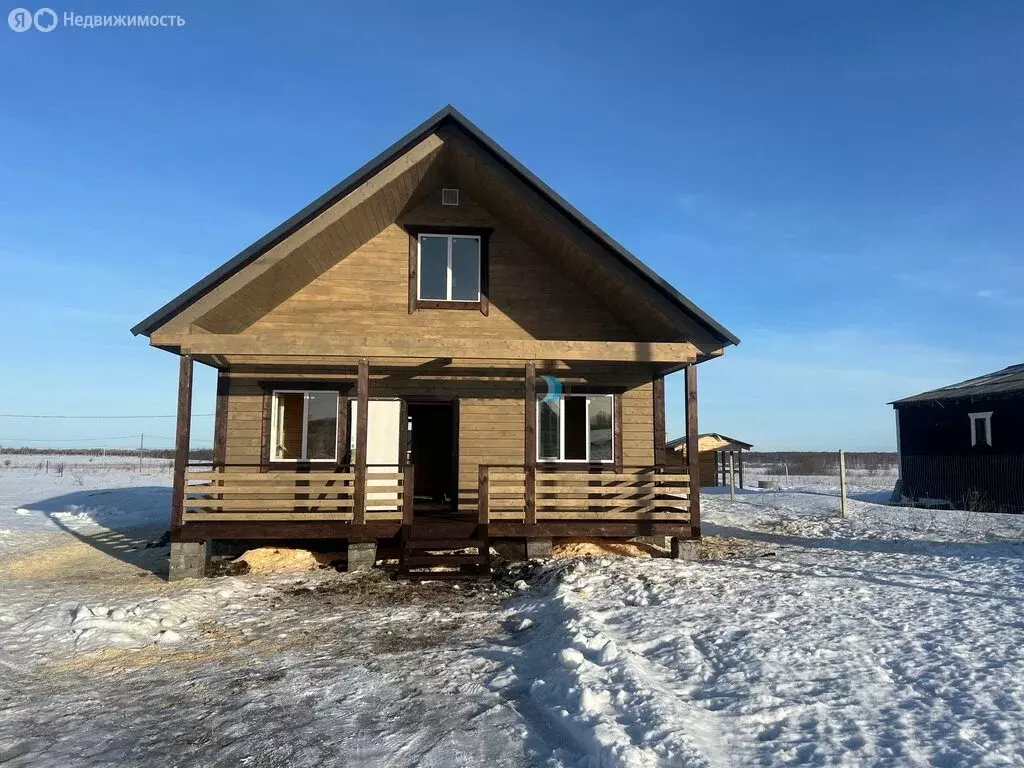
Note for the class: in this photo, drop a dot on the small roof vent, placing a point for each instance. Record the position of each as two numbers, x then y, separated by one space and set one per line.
449 196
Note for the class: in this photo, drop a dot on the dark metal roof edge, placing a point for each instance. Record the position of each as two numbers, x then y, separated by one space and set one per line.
977 386
598 234
292 224
929 397
368 170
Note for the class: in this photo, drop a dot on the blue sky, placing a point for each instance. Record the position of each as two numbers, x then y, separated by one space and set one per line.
837 183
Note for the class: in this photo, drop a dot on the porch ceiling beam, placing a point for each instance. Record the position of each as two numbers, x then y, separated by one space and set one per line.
464 348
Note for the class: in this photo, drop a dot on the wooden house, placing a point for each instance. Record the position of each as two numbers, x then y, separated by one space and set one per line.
962 446
438 353
714 451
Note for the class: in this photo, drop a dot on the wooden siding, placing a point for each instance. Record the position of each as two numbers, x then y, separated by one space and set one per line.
491 414
243 436
367 293
638 425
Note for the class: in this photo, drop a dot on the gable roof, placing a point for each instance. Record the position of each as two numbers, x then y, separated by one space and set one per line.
709 439
1010 379
447 115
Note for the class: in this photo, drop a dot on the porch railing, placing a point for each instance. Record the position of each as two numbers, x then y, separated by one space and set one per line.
633 493
245 493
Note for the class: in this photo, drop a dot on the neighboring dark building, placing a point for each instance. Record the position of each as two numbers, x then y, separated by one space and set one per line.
963 445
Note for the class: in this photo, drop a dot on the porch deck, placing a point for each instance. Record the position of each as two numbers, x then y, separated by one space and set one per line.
512 501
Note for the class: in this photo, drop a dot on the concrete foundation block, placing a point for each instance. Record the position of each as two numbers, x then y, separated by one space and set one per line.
686 549
188 560
538 549
361 555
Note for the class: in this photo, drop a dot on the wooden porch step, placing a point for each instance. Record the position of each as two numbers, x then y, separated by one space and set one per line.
412 561
462 550
417 576
444 543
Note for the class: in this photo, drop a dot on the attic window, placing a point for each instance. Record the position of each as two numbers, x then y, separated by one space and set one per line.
449 196
448 267
981 428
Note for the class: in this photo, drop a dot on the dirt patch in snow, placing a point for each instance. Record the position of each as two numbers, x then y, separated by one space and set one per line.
280 560
375 588
109 661
603 548
725 548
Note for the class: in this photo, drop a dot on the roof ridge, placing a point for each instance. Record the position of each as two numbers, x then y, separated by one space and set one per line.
353 181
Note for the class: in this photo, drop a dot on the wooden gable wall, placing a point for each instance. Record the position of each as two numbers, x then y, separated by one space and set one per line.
366 293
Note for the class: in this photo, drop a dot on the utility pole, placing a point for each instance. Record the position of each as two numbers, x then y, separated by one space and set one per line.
142 440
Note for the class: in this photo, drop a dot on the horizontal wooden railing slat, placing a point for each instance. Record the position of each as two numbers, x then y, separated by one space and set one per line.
223 494
634 493
257 517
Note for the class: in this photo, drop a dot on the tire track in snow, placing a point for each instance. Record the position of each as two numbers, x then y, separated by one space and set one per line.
578 676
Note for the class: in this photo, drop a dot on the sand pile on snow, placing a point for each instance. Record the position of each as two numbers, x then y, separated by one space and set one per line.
602 547
280 560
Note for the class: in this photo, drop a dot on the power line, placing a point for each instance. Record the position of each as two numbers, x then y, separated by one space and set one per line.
89 439
41 416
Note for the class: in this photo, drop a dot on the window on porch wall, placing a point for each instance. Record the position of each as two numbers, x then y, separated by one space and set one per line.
575 428
305 426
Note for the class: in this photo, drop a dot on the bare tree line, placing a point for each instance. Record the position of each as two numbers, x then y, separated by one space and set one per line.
819 462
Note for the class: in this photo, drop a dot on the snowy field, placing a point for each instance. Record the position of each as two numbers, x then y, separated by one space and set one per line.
892 638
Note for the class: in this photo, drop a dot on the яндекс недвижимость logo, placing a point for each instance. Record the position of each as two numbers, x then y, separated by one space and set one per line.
22 19
46 20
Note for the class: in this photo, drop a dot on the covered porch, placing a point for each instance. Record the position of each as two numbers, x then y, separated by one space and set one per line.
363 502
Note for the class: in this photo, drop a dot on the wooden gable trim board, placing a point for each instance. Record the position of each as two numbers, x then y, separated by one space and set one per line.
206 303
176 313
468 348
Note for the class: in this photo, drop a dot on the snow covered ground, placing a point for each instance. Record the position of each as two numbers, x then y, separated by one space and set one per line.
893 637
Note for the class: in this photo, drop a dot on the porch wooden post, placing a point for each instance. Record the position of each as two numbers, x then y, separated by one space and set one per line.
741 469
530 447
692 450
483 495
362 416
408 493
220 422
181 444
659 421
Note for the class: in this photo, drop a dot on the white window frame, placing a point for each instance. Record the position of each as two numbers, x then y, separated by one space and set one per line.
561 431
986 417
305 423
448 283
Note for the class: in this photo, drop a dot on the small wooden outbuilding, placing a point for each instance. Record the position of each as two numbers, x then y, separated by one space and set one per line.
961 445
713 455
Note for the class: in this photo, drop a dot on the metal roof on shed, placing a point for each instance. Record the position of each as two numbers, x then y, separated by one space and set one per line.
1010 379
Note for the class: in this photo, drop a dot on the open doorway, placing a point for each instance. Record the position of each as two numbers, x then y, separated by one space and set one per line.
433 452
